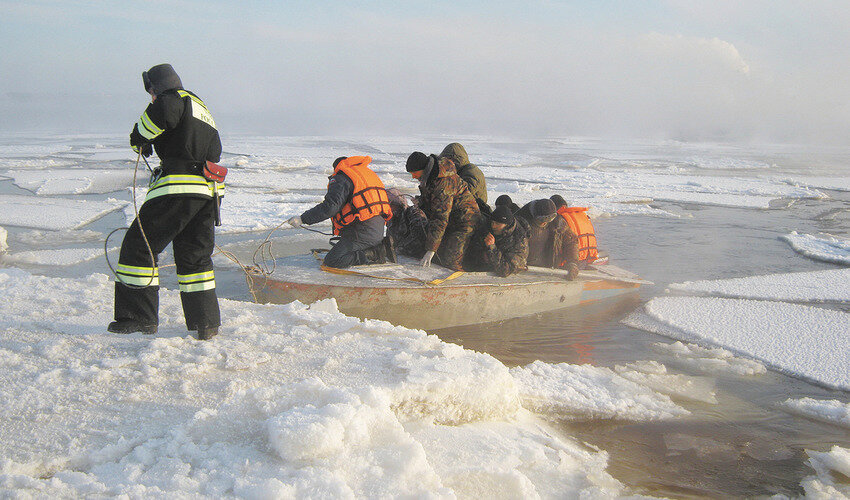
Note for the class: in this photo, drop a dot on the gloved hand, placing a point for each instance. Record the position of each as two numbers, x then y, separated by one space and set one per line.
146 148
295 221
426 259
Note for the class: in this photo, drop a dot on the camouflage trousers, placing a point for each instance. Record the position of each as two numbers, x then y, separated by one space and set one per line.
453 247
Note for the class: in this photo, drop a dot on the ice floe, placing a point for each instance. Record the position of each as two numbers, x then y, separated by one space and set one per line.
827 249
55 257
73 181
832 469
589 392
711 360
41 212
833 183
830 410
813 286
4 245
802 340
290 401
654 375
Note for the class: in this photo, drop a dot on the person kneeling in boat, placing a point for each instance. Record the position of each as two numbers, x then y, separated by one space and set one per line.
358 206
499 244
551 243
580 225
451 209
408 226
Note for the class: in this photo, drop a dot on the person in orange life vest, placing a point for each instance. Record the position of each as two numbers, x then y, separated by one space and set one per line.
581 226
358 206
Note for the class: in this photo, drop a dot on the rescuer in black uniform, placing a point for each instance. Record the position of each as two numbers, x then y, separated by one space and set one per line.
180 207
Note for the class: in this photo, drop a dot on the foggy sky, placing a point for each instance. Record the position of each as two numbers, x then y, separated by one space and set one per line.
687 70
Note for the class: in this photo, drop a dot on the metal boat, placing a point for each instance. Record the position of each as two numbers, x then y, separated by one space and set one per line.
407 294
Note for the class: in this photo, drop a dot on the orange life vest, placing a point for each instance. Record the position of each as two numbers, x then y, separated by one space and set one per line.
580 224
369 198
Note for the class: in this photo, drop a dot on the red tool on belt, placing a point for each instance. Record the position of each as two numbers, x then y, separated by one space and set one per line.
215 173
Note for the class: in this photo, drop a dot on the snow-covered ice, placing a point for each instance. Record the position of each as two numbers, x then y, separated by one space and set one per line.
41 212
74 181
827 249
589 392
812 286
829 410
654 375
709 360
288 401
56 257
832 468
4 245
802 340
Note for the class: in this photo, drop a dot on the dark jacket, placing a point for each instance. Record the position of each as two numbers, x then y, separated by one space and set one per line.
182 131
340 189
470 174
446 201
509 254
553 245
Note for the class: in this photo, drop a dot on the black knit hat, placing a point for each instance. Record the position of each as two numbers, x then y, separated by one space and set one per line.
416 161
502 214
558 200
503 200
160 78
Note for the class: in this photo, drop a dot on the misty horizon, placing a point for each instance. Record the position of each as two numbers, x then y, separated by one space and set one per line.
681 70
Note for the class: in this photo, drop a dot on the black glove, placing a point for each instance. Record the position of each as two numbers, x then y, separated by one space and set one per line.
147 149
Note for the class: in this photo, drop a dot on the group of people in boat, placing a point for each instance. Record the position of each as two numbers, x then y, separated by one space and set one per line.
449 222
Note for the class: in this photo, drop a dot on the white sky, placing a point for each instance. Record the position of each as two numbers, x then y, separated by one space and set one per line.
714 70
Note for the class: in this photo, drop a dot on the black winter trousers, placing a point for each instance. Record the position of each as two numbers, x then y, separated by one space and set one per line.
354 239
189 224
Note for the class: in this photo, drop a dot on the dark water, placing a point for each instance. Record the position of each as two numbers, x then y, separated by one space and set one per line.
743 446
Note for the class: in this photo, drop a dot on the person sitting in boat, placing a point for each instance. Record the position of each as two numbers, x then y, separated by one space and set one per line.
471 175
551 243
358 206
408 226
451 209
579 222
499 244
507 201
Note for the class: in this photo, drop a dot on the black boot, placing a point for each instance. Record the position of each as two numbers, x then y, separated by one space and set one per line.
389 249
376 254
131 326
207 333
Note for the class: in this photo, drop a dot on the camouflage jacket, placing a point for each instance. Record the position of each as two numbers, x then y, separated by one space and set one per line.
509 254
447 203
553 245
470 173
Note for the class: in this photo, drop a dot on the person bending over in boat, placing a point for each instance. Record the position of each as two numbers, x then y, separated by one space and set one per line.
507 201
499 244
451 209
358 206
551 243
408 226
471 175
580 225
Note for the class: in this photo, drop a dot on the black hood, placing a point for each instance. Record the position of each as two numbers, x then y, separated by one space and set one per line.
160 78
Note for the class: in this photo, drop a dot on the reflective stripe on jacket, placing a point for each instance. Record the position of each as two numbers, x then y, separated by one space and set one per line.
580 224
185 185
369 197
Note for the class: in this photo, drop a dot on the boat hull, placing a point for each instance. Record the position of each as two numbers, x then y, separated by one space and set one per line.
444 305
